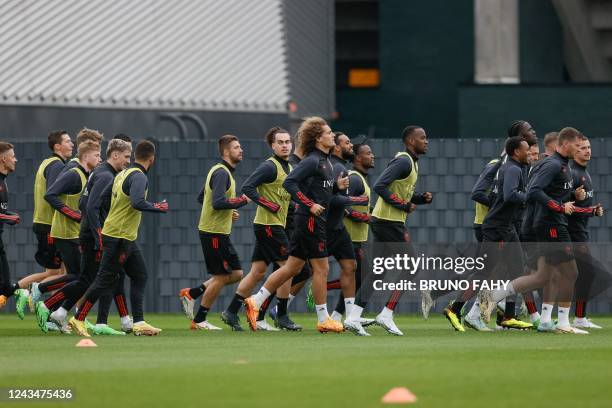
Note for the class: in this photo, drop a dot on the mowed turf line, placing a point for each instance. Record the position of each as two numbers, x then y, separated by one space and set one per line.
222 369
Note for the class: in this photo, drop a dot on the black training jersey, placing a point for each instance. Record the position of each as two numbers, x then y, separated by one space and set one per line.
311 181
341 200
91 204
578 222
6 216
509 197
551 187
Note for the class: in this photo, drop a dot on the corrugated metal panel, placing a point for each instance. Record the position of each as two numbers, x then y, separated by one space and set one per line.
178 54
310 39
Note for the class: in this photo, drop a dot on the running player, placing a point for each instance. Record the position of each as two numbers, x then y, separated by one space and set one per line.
265 187
7 165
341 247
64 196
311 184
551 189
579 233
90 238
357 218
219 205
47 255
128 194
396 198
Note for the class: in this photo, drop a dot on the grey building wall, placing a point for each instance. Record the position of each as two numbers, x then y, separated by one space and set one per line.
170 242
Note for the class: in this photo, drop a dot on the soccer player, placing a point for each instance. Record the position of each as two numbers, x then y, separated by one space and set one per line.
551 189
341 247
578 229
84 135
498 225
93 213
219 205
265 187
120 251
8 162
312 185
47 255
396 198
64 196
356 219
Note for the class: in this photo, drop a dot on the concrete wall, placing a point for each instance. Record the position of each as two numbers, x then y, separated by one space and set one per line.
170 242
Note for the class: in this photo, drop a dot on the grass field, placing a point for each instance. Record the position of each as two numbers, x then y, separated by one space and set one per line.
181 368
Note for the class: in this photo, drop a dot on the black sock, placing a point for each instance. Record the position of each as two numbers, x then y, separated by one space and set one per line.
234 306
282 306
264 307
509 310
14 287
201 316
456 307
197 291
340 306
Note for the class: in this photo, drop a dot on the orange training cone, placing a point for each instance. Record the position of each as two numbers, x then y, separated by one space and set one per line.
399 395
86 343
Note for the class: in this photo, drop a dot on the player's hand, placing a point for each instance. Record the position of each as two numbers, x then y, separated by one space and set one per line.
343 182
412 208
317 209
161 206
235 215
568 208
599 210
580 193
428 197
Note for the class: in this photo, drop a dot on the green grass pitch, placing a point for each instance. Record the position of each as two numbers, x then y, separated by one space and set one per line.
183 368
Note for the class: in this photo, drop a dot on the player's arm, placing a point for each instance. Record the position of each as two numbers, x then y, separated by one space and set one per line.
135 186
398 168
541 179
264 173
356 189
219 183
512 180
484 184
68 182
100 191
52 172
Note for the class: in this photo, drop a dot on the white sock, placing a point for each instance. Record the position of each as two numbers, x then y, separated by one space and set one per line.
101 325
125 320
291 297
322 314
474 312
348 305
336 316
140 321
386 313
261 296
547 309
498 295
356 312
534 316
60 313
563 313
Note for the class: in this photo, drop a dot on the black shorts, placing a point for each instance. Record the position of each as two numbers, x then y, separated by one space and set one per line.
308 240
219 254
389 231
71 255
529 243
271 244
556 244
579 236
47 254
340 245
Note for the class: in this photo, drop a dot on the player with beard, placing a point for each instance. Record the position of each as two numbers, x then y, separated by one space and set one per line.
312 185
219 211
396 198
